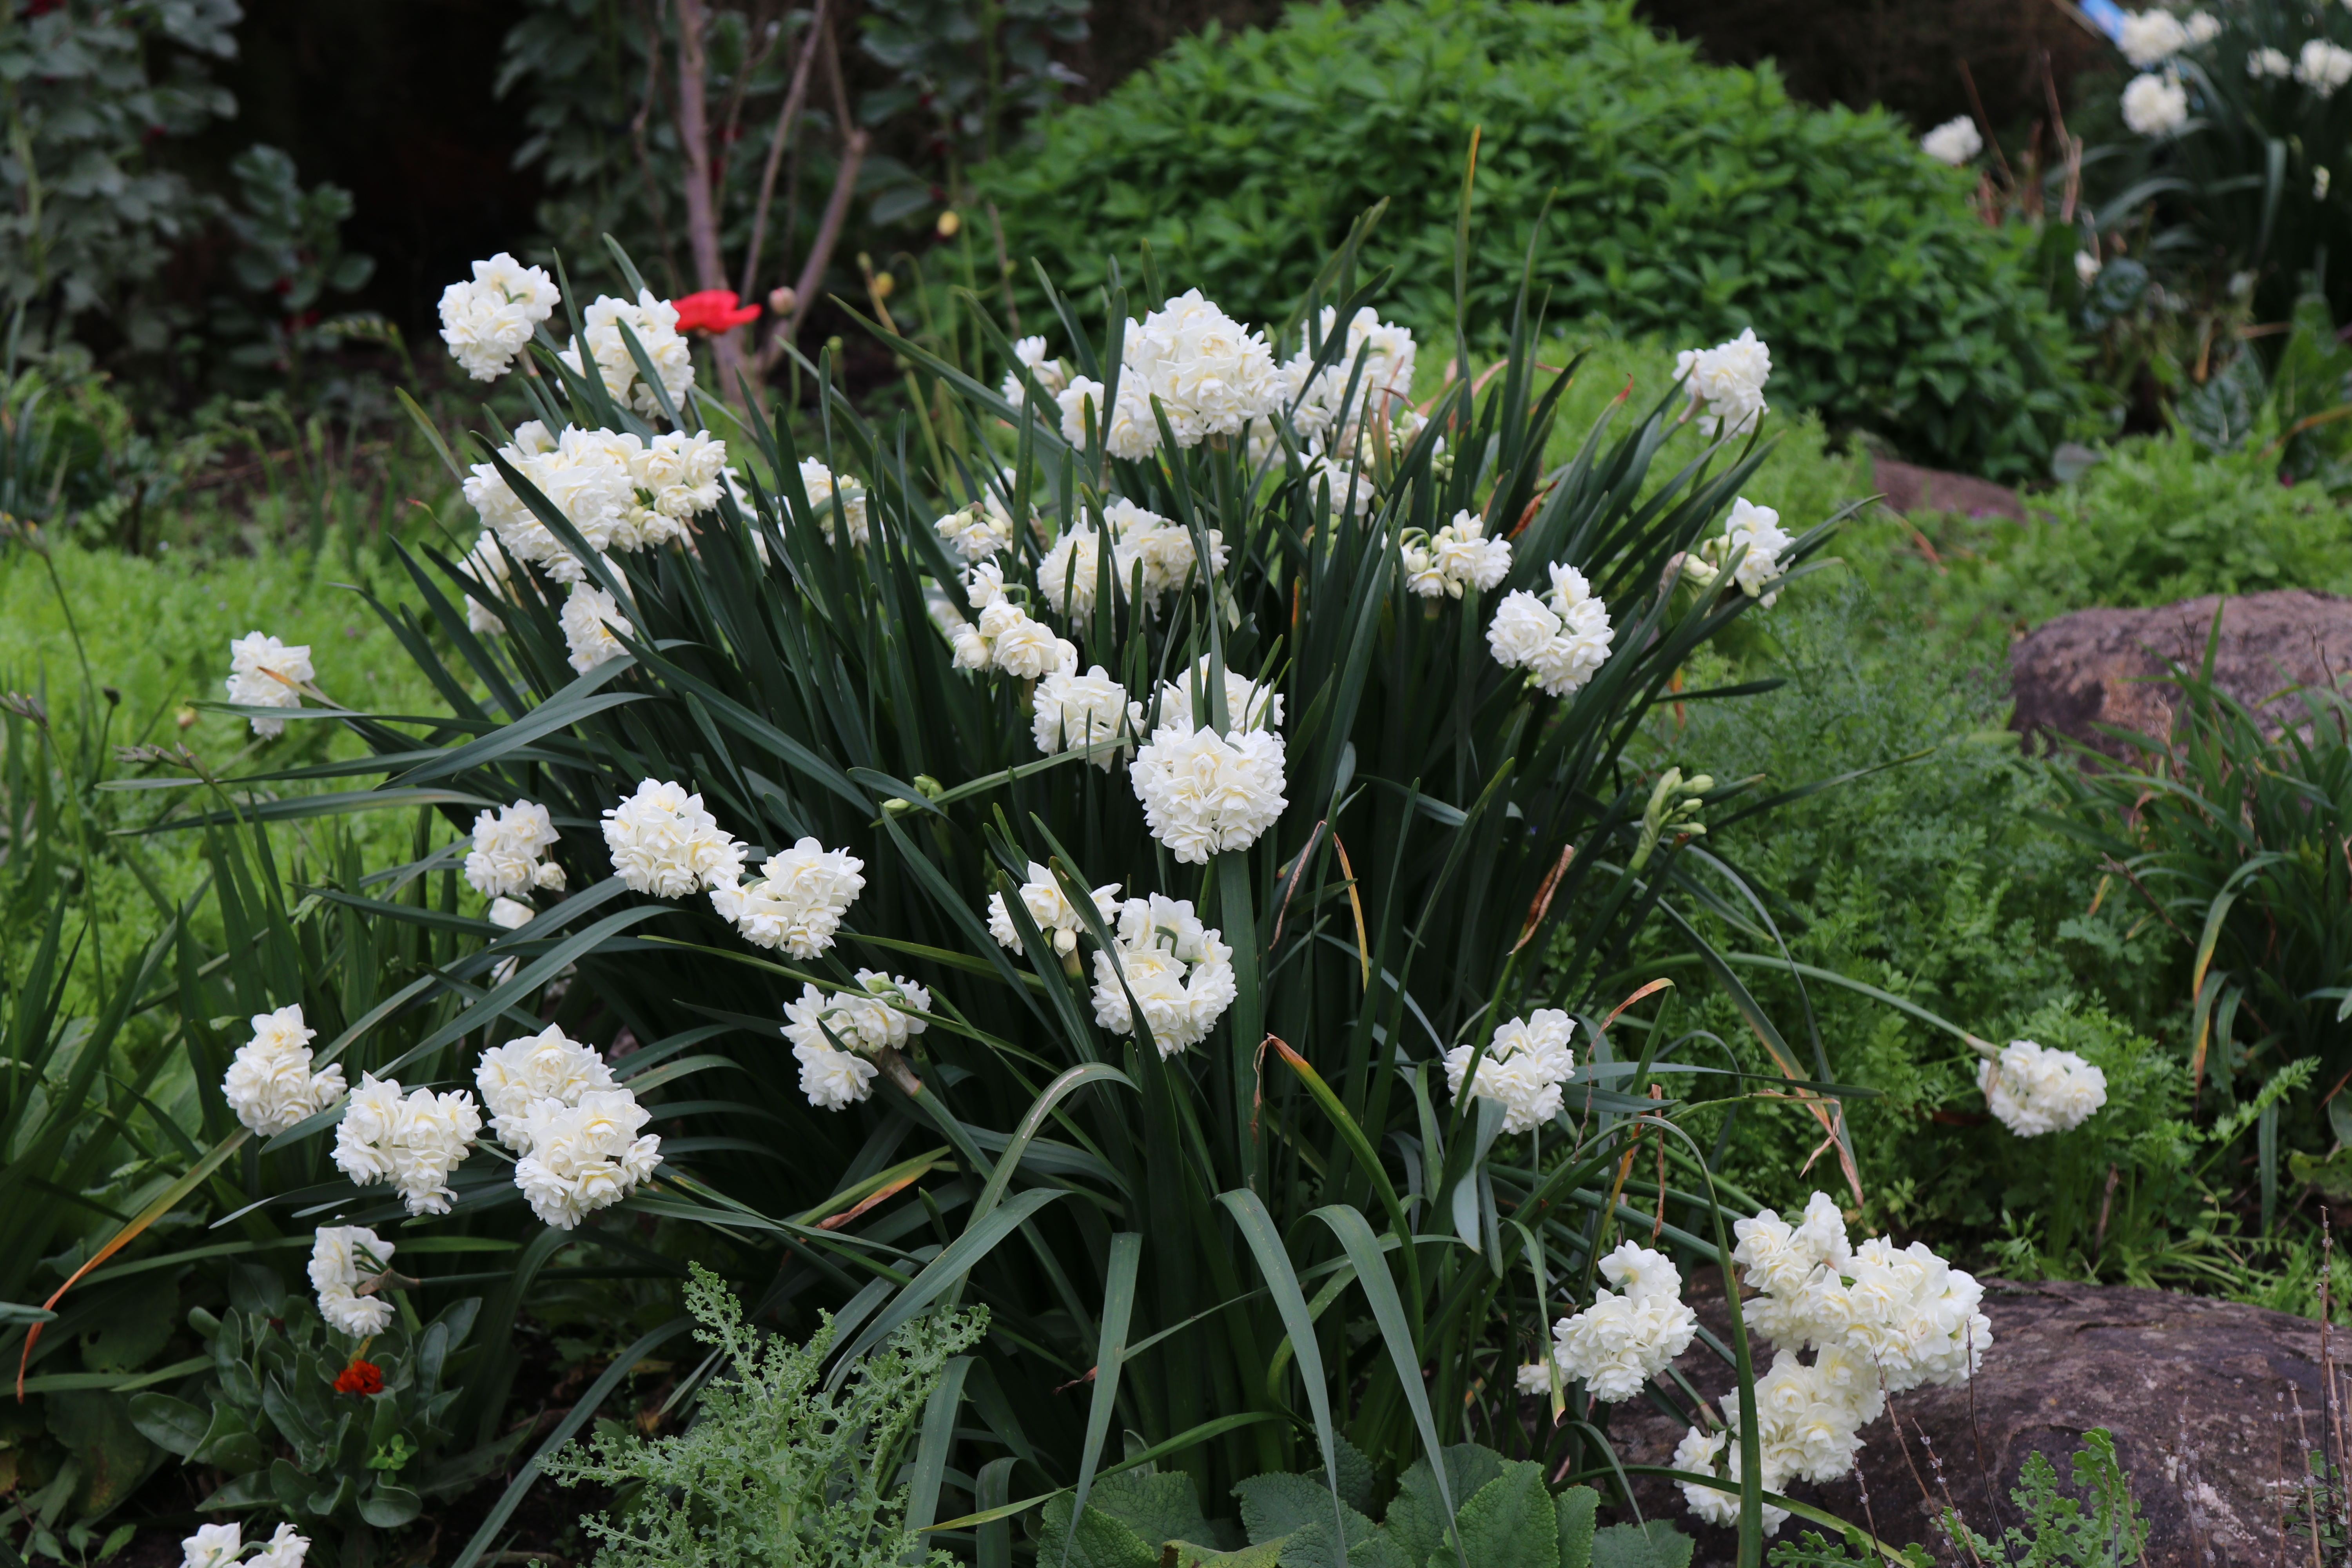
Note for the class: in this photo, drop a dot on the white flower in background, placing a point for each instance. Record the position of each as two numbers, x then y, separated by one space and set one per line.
1042 896
976 531
1204 793
1525 1063
550 1065
2319 183
663 843
270 1083
830 494
2154 105
1455 557
505 859
488 321
336 1270
1248 705
1046 372
1075 710
2323 67
1727 381
264 673
1757 531
2087 266
1128 431
1351 490
1069 574
413 1142
2269 62
1161 544
2034 1089
1561 640
655 322
487 565
1021 647
883 1014
2151 37
584 1156
212 1546
1534 1377
1630 1335
508 914
1180 973
593 627
796 901
2202 28
1323 413
1955 142
286 1549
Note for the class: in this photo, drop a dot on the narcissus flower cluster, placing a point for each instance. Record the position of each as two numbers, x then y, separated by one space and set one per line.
266 673
1628 1335
488 320
663 843
337 1266
1523 1066
1455 557
836 1037
413 1141
2034 1089
270 1086
796 902
1561 640
509 844
220 1546
1164 962
1727 384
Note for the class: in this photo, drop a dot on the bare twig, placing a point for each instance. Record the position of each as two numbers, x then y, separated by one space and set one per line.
1004 270
787 119
701 208
637 137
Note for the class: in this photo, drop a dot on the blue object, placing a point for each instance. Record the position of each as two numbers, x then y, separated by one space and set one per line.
2105 16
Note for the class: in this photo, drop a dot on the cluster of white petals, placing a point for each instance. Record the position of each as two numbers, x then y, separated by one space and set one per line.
1628 1335
1054 916
2034 1089
2151 37
1323 413
2269 62
1525 1063
584 1155
1146 550
1727 381
270 1083
264 673
413 1142
1455 557
796 901
977 531
1073 710
1351 491
1006 637
1044 370
835 1038
2323 67
593 627
1878 1320
619 492
1754 534
550 1065
655 323
2154 105
2204 27
1955 142
1178 973
663 843
1212 375
1561 640
508 914
487 320
1206 791
508 847
490 566
220 1546
336 1270
831 495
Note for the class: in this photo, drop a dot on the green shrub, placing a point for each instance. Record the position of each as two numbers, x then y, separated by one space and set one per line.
1690 201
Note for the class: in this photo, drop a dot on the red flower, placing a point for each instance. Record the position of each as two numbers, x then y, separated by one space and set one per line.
711 310
361 1377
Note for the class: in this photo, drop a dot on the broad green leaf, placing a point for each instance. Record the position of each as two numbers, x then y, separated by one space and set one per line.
1657 1544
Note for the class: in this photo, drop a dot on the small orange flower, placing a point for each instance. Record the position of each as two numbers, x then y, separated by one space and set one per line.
361 1377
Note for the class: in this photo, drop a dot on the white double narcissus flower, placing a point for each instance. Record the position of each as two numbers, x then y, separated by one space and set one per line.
883 1014
655 323
1455 557
2154 105
266 673
1727 381
678 476
977 531
1322 412
796 901
1523 1068
413 1142
508 914
2034 1089
1213 377
1754 534
220 1546
1627 1336
336 1270
487 565
507 845
1561 640
1206 791
1054 916
1128 430
489 319
1879 1320
1351 491
1955 142
2323 67
584 1156
832 496
269 1084
1046 372
2151 37
663 843
1178 972
550 1065
1074 709
2269 62
1069 574
1005 638
593 627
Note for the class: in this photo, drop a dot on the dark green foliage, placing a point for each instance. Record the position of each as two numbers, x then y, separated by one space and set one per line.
1809 1551
776 1468
1686 200
2102 1529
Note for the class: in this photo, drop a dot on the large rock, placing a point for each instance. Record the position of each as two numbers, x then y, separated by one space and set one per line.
2213 1406
2107 667
1907 488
